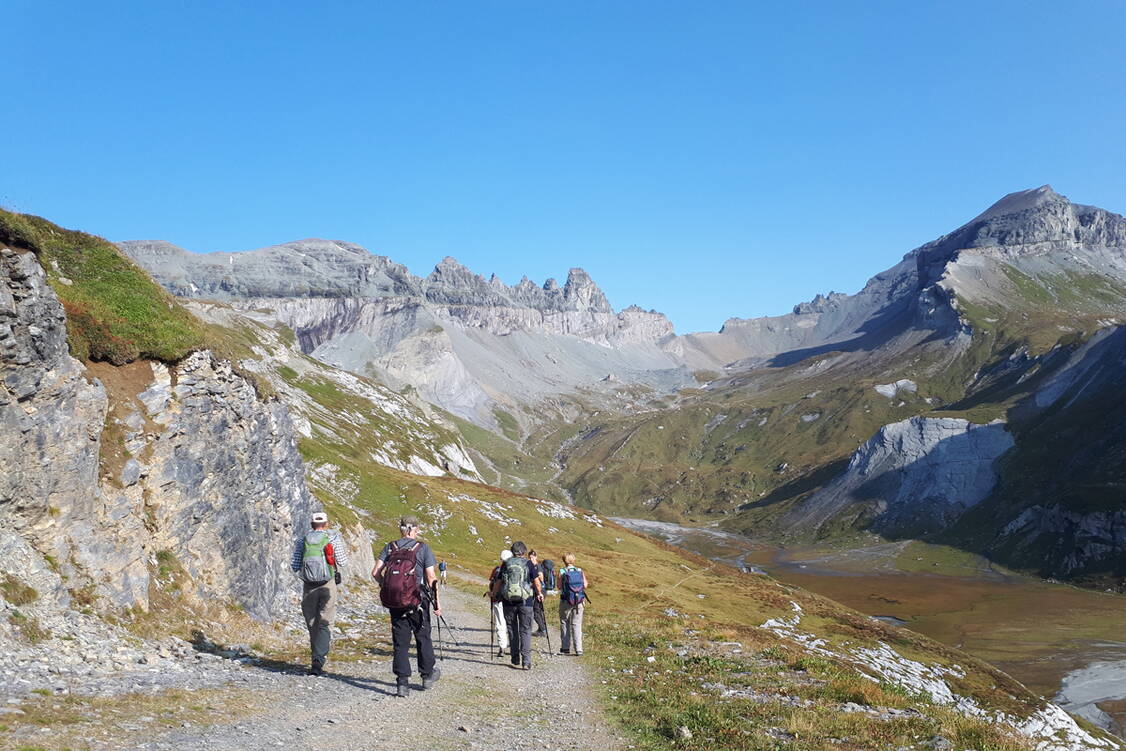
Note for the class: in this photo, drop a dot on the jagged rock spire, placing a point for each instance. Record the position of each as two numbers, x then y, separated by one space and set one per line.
581 292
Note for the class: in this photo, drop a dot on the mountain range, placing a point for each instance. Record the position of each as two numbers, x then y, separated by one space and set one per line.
1002 327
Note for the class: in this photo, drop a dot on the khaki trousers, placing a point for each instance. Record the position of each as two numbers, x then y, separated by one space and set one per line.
571 627
318 607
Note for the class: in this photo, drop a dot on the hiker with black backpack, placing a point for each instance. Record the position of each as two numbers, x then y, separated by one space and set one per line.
548 567
517 586
317 559
537 604
408 588
572 600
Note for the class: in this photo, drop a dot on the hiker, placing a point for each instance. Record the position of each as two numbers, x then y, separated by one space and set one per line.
442 571
537 604
548 567
408 588
318 558
518 587
497 606
572 597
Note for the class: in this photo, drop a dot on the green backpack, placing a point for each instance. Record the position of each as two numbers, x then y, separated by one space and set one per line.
315 566
514 580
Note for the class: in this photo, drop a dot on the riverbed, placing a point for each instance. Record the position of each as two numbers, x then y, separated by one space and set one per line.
1061 641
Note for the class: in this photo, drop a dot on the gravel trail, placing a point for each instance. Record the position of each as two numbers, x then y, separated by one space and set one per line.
479 702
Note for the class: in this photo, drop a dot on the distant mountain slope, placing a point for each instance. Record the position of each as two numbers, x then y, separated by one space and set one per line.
990 322
467 344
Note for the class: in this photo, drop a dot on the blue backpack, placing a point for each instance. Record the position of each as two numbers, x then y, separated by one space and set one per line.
571 587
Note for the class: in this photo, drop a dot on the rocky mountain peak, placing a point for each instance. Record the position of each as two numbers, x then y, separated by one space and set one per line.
449 269
1022 200
581 292
820 303
1023 224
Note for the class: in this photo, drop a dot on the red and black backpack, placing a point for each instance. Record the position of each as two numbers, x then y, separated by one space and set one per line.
400 579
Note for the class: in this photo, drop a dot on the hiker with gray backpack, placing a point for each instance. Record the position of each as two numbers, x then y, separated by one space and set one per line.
408 588
317 559
517 586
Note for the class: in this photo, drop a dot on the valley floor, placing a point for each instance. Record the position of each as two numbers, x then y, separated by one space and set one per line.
479 702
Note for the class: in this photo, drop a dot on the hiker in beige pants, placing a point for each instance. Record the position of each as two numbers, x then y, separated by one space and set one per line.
571 614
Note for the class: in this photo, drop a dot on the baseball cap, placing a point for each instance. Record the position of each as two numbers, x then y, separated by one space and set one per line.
320 517
505 555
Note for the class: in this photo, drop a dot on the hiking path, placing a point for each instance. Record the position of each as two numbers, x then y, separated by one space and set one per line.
480 702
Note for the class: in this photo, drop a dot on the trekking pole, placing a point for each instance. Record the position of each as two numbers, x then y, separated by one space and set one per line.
432 596
547 633
441 650
452 629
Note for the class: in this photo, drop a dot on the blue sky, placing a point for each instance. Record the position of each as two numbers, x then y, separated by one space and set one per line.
708 159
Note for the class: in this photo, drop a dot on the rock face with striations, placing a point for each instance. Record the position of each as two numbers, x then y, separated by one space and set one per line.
214 477
51 421
217 480
913 477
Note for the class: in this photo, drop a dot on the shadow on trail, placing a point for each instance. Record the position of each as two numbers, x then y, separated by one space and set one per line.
289 668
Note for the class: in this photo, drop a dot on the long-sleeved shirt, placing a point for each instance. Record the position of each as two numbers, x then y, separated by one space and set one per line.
339 549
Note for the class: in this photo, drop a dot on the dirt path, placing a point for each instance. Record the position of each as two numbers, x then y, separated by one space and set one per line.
478 703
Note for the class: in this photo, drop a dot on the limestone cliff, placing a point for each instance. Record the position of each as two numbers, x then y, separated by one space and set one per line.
51 421
212 477
912 478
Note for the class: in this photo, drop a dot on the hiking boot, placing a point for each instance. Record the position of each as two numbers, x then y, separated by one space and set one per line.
402 690
428 681
564 651
500 653
317 669
527 666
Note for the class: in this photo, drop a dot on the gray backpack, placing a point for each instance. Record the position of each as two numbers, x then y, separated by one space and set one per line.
316 567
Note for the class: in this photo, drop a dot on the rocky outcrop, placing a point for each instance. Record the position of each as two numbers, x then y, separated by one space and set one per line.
1057 510
218 482
1067 542
212 478
51 422
911 478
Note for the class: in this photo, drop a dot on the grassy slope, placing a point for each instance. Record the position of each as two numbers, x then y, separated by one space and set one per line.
746 444
115 312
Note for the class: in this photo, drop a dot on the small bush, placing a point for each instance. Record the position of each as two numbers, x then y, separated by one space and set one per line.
28 627
16 592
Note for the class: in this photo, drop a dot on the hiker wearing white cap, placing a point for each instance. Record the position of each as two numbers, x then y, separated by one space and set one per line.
499 626
317 559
